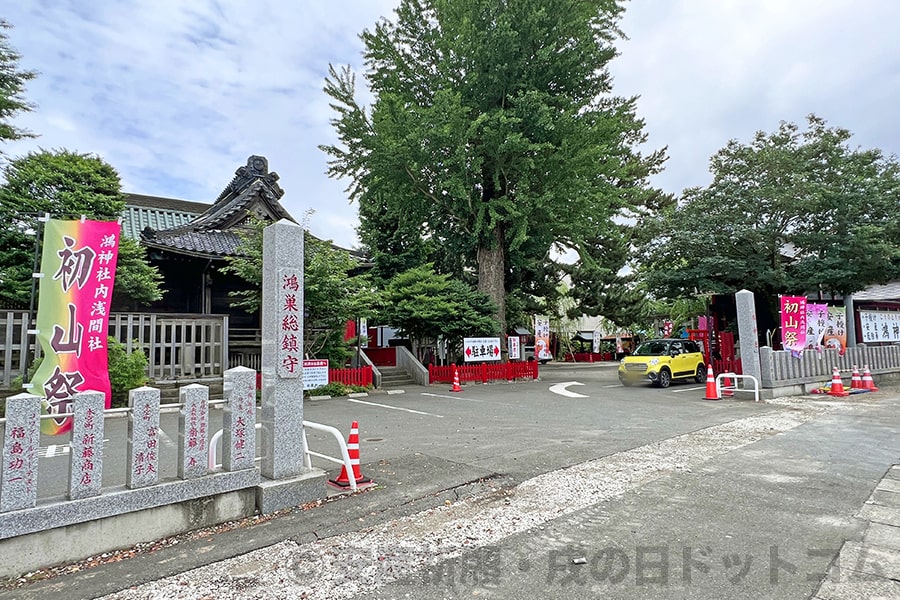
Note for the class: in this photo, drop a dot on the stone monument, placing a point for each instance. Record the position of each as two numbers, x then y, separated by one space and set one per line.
287 482
86 447
748 331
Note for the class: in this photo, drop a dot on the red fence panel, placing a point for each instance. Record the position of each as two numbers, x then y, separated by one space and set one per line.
727 365
484 372
361 376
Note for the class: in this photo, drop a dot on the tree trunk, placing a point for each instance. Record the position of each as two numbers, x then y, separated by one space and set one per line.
491 275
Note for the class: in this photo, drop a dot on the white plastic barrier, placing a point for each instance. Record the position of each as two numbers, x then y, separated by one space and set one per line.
307 454
733 387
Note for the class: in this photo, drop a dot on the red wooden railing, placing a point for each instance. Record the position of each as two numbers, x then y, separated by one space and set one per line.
485 372
361 376
727 365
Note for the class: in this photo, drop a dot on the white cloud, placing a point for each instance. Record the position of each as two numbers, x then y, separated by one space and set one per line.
176 95
709 71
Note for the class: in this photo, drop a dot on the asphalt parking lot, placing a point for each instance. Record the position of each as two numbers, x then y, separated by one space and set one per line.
570 486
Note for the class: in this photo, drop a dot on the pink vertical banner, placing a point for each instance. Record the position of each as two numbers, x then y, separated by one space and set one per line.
793 323
78 267
816 320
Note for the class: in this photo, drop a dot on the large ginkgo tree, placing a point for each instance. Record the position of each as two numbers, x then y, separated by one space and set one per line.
493 137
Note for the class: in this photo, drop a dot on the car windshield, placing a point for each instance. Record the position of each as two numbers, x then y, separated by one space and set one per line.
652 348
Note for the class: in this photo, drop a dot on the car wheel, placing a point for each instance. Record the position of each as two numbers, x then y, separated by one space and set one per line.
665 378
700 377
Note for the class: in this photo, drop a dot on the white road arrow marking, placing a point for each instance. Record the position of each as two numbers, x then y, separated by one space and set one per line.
560 388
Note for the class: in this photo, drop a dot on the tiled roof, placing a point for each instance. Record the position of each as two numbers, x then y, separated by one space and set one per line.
208 230
211 244
169 204
254 190
157 213
890 291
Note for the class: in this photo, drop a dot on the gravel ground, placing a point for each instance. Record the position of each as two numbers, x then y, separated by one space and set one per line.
351 564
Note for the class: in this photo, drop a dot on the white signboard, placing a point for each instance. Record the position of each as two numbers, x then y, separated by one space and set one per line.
879 326
512 344
481 349
315 374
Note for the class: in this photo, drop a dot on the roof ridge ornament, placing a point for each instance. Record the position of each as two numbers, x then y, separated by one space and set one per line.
257 167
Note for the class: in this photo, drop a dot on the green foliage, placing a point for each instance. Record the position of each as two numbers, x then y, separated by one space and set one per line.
66 185
493 137
17 381
424 305
331 297
127 371
790 212
137 283
248 265
335 389
12 88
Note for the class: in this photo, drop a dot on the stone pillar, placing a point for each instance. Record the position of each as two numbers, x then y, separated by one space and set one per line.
239 419
851 321
285 480
767 367
749 333
143 438
282 350
22 438
86 448
193 423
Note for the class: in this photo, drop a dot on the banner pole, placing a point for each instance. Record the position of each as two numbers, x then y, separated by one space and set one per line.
36 265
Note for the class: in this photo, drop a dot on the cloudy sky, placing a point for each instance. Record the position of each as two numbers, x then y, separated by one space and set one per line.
176 95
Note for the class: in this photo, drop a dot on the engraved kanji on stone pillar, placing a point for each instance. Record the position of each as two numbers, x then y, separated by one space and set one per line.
193 422
239 419
282 350
86 448
18 475
143 437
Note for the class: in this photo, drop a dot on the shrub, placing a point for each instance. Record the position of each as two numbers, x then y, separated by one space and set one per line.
334 389
126 371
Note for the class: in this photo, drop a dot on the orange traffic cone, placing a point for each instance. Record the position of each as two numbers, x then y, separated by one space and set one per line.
856 381
837 386
456 387
343 480
727 390
711 392
868 382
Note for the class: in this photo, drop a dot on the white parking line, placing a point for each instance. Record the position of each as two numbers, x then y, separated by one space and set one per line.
165 439
52 450
409 410
691 389
451 397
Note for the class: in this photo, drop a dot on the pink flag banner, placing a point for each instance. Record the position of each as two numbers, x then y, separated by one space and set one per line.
793 323
78 267
816 321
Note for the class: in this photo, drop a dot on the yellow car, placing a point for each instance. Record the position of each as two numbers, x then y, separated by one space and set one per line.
662 361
